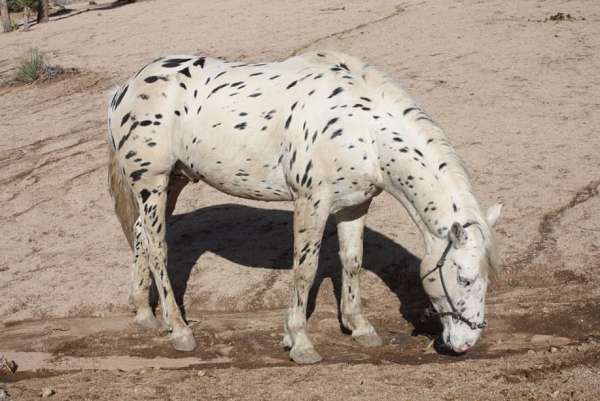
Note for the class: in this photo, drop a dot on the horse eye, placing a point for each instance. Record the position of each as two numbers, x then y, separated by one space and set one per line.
464 281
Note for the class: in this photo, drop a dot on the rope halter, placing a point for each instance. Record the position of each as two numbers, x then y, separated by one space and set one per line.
455 313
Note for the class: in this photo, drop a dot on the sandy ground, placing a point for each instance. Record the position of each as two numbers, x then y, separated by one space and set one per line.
518 96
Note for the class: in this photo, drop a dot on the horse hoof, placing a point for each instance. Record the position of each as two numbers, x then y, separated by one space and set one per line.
305 356
183 339
146 319
368 340
131 303
287 341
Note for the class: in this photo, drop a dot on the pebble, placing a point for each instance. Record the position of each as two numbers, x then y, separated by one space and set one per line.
201 373
47 392
4 395
553 349
531 352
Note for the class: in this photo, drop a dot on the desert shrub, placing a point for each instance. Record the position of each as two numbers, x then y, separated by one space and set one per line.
32 66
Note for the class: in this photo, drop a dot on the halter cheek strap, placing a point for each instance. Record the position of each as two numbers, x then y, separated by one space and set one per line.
455 313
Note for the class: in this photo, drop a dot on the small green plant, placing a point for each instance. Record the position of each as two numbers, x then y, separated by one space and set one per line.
32 66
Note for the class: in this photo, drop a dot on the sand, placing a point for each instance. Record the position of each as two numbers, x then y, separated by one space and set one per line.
518 96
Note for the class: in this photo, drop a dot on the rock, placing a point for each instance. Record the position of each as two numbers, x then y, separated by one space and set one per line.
4 395
7 365
201 373
47 392
553 349
512 379
429 349
546 340
531 352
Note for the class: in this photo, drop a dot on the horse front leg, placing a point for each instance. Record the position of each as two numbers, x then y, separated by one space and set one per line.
350 225
310 217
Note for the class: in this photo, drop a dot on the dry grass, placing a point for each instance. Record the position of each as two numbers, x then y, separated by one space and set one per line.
33 67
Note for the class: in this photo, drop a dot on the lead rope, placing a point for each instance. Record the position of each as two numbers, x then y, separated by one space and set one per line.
455 313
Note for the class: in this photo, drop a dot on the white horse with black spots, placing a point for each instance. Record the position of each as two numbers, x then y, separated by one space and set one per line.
323 130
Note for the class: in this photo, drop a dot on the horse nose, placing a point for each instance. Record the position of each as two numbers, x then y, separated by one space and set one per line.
462 348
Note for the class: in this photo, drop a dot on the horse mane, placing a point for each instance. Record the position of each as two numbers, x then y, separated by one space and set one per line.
470 207
389 89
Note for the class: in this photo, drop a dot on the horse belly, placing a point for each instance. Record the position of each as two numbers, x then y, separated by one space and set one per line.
247 169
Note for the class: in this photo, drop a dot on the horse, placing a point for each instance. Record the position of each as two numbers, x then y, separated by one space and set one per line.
323 130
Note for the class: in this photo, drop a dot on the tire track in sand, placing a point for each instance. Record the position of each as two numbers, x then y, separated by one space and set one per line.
549 221
397 10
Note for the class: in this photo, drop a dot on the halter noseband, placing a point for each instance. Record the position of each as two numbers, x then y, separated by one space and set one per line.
455 313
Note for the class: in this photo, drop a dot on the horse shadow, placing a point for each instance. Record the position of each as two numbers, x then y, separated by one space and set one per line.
263 238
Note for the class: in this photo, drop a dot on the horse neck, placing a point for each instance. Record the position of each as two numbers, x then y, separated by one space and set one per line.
421 169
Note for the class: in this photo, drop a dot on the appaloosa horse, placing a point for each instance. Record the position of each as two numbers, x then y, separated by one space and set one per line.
323 130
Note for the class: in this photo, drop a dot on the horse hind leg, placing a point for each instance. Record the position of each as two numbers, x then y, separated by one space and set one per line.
126 209
152 203
309 223
350 225
139 294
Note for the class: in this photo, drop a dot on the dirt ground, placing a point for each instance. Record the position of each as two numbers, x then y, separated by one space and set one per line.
517 93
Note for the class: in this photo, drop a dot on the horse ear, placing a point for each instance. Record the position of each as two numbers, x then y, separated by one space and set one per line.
493 213
457 235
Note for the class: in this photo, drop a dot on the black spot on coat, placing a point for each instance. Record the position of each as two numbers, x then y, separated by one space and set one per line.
408 110
121 96
329 123
144 193
199 62
335 92
153 78
124 119
336 133
174 62
137 174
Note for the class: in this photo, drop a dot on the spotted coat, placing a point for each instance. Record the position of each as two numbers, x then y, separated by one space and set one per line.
322 129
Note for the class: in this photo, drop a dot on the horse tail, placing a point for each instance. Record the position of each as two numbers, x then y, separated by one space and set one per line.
126 206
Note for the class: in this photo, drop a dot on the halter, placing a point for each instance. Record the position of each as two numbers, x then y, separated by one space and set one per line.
455 313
